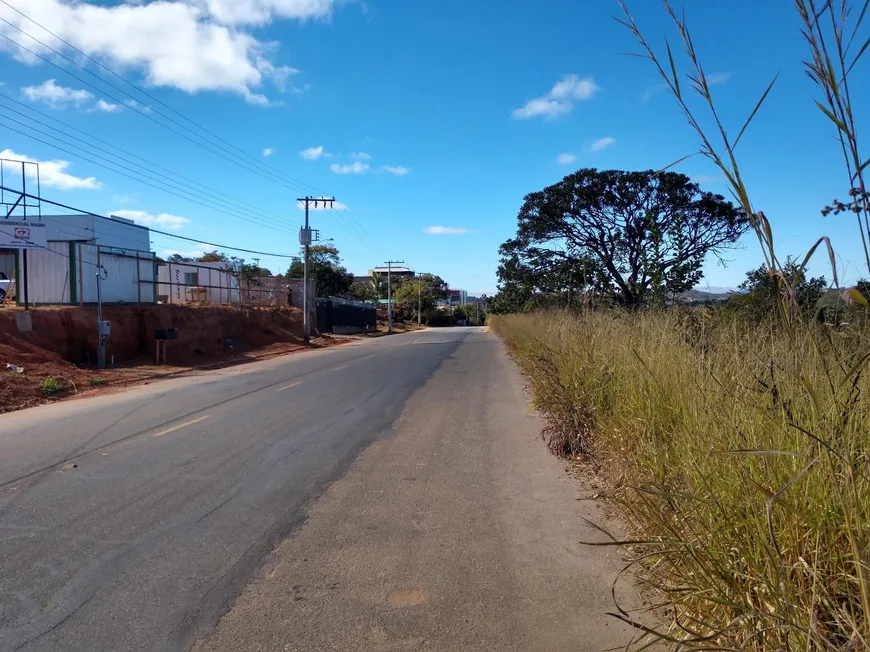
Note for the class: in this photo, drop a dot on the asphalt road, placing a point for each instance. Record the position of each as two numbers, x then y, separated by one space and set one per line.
136 521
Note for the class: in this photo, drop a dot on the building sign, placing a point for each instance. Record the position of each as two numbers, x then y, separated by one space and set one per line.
23 235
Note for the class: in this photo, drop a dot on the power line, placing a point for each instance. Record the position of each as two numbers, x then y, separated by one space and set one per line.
129 176
124 151
81 211
144 92
355 233
276 173
219 204
115 99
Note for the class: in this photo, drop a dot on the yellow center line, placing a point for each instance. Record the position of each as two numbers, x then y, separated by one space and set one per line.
182 425
281 389
337 368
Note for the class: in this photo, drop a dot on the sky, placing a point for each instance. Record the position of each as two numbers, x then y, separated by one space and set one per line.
428 121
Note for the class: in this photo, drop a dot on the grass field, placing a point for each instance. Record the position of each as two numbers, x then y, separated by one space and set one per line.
738 455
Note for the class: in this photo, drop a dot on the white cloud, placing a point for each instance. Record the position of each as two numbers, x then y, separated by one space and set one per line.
133 104
361 156
191 45
189 253
445 230
652 91
57 97
108 107
602 143
719 78
53 174
357 167
165 220
260 12
312 153
565 158
560 99
268 151
397 170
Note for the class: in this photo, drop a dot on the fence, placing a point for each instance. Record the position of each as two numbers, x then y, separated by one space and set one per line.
66 273
214 283
342 316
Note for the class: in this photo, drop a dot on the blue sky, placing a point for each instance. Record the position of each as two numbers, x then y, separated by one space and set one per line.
434 118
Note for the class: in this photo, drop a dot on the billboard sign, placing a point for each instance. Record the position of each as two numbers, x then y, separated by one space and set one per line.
29 234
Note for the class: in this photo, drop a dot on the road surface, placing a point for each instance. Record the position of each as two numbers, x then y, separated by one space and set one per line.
390 494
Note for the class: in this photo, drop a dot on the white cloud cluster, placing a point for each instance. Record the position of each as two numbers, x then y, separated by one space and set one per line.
357 167
186 253
445 230
602 143
260 12
192 45
560 100
52 174
715 78
565 158
60 97
268 151
165 220
314 153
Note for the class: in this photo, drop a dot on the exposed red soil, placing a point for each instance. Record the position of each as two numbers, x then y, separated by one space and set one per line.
63 346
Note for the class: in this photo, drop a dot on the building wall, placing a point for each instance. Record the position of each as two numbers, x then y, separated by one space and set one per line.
108 232
128 276
218 284
57 275
121 233
48 275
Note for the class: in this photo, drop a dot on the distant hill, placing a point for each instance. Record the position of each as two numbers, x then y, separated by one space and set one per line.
707 295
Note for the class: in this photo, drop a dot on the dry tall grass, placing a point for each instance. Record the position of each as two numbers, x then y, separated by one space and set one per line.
741 454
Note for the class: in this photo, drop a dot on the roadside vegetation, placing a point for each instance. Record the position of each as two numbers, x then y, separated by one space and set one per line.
735 436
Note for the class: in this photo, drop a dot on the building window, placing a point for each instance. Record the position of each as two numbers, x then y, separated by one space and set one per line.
191 278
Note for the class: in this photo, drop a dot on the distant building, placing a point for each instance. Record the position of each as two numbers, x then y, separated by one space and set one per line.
404 272
456 298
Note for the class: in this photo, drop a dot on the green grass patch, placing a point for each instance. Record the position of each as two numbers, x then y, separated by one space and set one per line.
49 386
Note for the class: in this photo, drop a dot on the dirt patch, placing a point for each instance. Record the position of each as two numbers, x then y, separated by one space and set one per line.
63 345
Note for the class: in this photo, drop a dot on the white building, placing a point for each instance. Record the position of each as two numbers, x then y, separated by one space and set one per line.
78 245
213 282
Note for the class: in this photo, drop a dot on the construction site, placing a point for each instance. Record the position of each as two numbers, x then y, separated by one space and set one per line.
88 306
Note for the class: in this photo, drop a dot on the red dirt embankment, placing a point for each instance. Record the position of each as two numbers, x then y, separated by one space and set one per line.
63 345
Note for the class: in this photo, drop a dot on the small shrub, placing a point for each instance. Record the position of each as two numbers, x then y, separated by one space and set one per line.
96 381
49 386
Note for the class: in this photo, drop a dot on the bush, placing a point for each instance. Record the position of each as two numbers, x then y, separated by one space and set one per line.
740 455
49 386
97 381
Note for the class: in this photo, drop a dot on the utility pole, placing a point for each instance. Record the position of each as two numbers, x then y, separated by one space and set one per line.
103 327
306 236
389 264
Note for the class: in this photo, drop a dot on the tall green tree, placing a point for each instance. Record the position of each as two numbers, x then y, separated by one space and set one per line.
637 236
331 278
761 289
424 291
